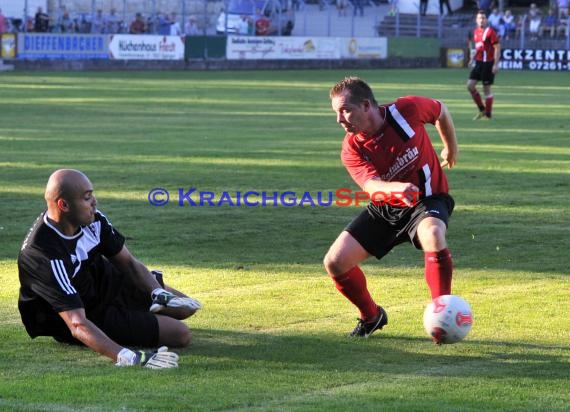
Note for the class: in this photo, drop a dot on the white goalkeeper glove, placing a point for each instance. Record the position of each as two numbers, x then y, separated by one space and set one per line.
163 299
160 359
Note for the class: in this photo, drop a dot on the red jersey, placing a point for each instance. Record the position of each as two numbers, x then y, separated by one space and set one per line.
401 150
485 40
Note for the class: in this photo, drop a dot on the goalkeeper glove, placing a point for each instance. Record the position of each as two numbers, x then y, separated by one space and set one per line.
160 359
162 298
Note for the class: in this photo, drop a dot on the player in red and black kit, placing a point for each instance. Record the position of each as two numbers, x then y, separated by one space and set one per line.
487 52
387 150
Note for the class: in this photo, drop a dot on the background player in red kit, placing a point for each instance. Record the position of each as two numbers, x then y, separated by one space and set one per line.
387 149
487 48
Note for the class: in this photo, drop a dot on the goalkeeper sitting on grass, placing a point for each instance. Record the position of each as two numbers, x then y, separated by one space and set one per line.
80 284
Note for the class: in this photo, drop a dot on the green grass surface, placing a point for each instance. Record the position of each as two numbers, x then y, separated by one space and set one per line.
272 332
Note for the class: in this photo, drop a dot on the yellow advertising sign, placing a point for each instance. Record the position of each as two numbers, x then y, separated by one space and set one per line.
8 49
455 58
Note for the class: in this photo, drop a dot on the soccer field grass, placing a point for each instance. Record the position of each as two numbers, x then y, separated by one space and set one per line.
272 333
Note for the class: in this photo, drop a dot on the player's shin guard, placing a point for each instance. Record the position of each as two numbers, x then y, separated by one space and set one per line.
352 285
438 272
477 99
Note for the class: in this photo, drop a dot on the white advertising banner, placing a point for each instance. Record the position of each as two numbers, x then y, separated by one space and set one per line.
364 48
146 47
282 48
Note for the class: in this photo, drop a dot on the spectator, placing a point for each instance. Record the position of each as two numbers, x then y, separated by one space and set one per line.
261 24
112 22
3 23
41 22
446 4
534 21
358 6
175 29
152 24
485 5
98 22
563 8
423 7
533 11
191 28
496 22
509 24
84 26
66 24
163 24
243 25
520 24
549 24
30 25
563 29
138 25
341 6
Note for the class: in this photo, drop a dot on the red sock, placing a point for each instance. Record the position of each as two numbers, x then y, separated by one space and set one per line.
352 285
488 105
477 99
438 271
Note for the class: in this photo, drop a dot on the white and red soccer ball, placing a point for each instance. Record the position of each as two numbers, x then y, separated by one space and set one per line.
448 319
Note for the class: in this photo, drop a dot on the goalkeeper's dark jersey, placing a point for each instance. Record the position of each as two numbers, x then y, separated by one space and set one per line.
59 273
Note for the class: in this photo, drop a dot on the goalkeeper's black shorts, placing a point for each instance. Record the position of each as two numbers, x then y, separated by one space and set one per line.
126 319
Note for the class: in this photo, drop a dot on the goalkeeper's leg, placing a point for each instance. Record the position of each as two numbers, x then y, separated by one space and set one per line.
181 308
172 332
142 329
176 307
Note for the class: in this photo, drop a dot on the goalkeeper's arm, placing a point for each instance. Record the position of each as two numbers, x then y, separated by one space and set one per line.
160 359
89 334
94 338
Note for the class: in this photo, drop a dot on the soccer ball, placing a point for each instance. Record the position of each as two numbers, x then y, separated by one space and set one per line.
448 319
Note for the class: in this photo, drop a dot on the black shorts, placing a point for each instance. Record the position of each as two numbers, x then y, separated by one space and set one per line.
126 319
483 72
380 228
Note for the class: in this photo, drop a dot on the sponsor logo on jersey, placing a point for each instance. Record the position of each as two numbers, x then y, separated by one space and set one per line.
401 163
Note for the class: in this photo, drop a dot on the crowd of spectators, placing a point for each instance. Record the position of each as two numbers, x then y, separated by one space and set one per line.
537 24
101 23
551 23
